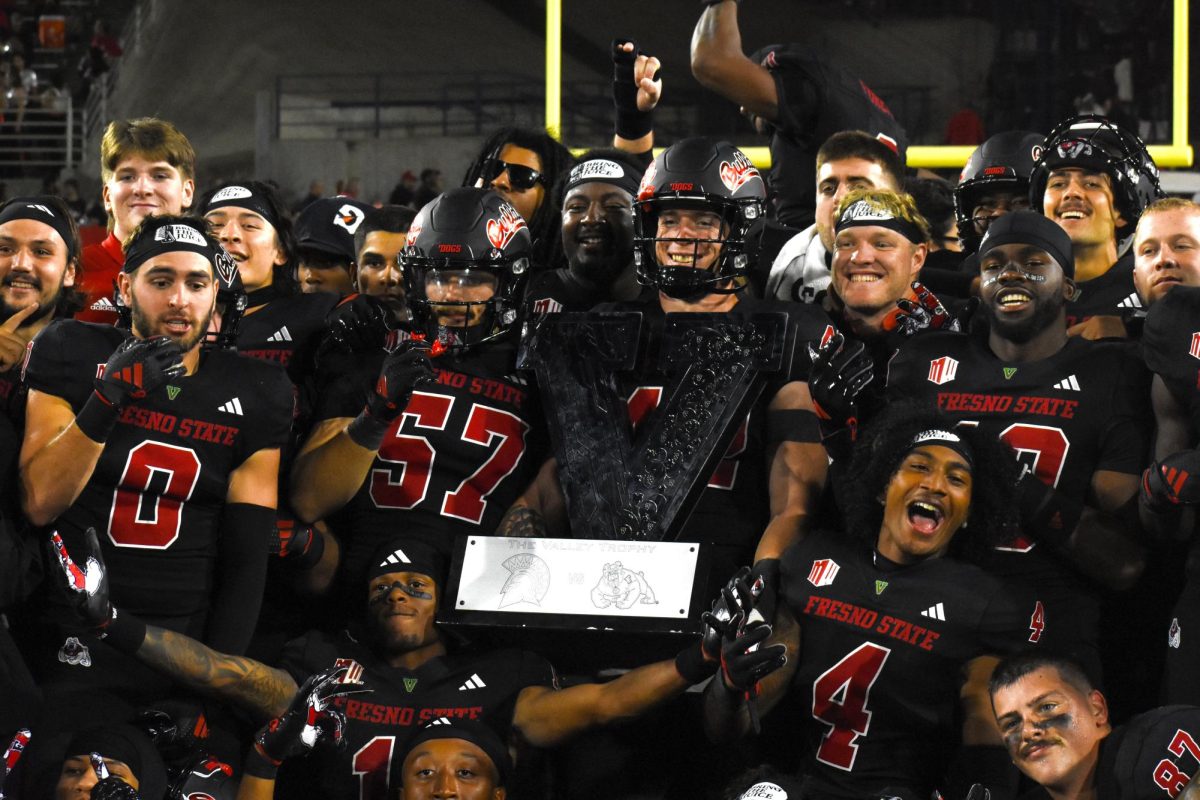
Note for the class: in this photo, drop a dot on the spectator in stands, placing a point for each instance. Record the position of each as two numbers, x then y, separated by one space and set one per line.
106 43
847 160
74 201
405 192
791 93
523 166
148 168
316 190
431 187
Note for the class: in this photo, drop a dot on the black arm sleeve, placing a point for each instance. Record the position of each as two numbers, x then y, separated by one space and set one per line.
241 576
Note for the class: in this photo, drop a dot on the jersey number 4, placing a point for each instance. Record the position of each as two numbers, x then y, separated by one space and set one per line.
840 698
405 483
147 506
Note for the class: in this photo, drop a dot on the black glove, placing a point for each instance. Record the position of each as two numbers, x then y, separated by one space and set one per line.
402 371
12 754
114 789
87 586
299 545
311 718
743 661
1175 480
358 323
138 367
977 792
735 598
839 373
631 123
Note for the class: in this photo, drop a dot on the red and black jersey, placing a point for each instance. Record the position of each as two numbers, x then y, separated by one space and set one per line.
287 330
734 508
156 494
464 450
1081 410
1111 294
881 656
816 100
480 686
1151 757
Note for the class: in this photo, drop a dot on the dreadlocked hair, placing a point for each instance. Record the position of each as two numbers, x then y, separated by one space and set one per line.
881 447
545 227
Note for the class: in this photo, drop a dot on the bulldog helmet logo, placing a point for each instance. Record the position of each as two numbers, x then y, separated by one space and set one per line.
500 231
737 173
622 587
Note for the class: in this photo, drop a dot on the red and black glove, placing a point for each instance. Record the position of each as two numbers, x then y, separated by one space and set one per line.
136 368
403 370
359 323
923 311
12 754
87 587
744 662
1173 481
299 545
840 371
310 719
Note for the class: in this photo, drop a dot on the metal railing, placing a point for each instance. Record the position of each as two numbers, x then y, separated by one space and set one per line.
40 138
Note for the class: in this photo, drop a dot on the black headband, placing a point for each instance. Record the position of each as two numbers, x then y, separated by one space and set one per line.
158 235
944 438
604 170
38 209
116 742
403 554
864 213
242 197
1031 228
468 730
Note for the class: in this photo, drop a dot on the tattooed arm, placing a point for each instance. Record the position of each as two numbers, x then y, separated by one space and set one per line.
261 690
541 511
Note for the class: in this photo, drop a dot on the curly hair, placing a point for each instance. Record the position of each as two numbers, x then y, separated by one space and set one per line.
556 160
881 447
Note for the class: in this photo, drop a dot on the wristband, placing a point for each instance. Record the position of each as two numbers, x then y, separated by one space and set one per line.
312 556
633 124
692 666
124 632
260 765
367 431
630 122
97 418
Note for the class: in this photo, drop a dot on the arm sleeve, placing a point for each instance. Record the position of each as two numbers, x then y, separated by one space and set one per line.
272 424
53 367
342 386
241 576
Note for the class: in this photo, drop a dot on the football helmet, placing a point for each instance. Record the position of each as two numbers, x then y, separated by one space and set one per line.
1002 163
464 264
231 302
698 174
1096 143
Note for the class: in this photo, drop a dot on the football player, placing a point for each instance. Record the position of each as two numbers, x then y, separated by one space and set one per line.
1057 729
397 653
694 206
597 237
377 245
437 447
522 166
147 167
99 757
883 621
1094 179
459 758
169 449
793 95
846 161
1166 248
994 181
325 244
1070 409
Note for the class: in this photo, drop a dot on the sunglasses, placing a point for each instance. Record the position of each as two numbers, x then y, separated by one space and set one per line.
520 177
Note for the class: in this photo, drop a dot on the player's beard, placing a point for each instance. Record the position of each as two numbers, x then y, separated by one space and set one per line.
1044 315
45 309
143 326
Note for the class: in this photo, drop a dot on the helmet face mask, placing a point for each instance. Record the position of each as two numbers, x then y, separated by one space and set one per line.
231 303
701 177
1096 144
464 265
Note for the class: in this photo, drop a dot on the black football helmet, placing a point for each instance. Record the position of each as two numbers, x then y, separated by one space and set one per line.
704 174
1002 163
231 302
466 240
1096 143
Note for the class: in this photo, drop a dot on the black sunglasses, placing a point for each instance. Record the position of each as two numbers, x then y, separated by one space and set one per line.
520 177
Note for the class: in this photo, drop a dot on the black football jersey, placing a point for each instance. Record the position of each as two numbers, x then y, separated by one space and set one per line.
464 450
881 654
287 328
1152 756
1081 410
734 508
156 494
480 686
1112 294
816 100
1171 346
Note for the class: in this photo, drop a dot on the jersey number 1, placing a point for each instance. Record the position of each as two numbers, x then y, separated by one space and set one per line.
840 698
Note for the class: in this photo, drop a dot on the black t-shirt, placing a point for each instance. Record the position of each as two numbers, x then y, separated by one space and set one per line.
1081 410
816 100
881 656
734 508
480 686
461 454
157 491
1111 294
